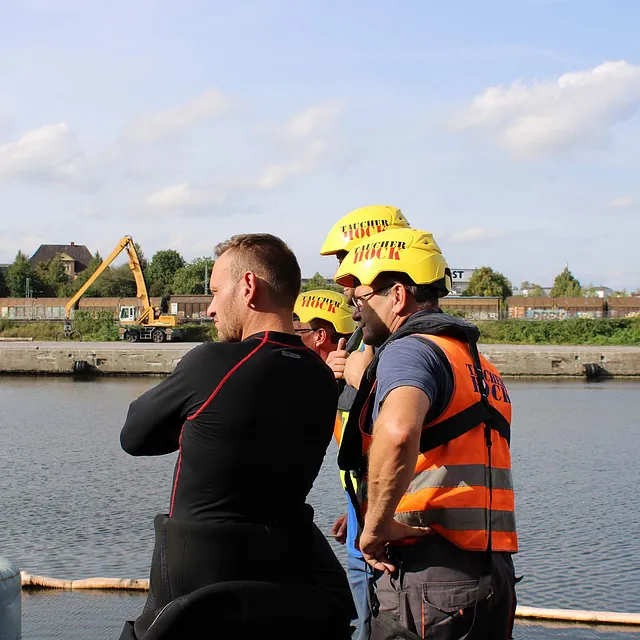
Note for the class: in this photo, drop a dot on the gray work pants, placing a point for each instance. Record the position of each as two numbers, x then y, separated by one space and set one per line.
442 592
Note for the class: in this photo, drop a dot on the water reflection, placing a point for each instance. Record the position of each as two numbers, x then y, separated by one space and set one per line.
75 506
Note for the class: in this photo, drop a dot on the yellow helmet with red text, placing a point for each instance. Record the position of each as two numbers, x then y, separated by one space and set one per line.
328 305
409 251
361 224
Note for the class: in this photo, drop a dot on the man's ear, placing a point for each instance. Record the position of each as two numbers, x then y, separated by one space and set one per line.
321 336
249 285
399 294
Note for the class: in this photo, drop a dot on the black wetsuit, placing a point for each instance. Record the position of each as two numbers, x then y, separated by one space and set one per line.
252 421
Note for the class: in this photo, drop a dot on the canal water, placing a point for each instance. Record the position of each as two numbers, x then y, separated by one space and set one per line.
75 506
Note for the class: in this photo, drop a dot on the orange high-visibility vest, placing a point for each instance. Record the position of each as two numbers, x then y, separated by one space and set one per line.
451 491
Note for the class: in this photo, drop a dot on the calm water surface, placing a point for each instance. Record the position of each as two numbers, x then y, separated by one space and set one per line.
75 506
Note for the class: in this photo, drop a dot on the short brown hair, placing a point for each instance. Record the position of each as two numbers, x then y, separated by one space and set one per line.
269 258
421 292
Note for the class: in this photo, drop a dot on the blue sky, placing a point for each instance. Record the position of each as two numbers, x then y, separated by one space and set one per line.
508 129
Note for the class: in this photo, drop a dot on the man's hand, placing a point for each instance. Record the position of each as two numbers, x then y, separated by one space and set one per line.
356 365
339 529
373 544
337 360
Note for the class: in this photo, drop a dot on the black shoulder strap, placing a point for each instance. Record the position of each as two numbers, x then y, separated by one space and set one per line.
458 425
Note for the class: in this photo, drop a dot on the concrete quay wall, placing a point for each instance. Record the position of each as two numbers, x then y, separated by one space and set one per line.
112 358
561 361
107 358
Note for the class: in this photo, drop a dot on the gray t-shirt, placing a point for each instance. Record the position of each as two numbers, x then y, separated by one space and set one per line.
409 362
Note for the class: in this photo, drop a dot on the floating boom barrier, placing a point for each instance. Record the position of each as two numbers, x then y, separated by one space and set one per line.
121 584
532 613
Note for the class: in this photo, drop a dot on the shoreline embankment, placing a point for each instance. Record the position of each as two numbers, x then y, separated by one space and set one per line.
122 358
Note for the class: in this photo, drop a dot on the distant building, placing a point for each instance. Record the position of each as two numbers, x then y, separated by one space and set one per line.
460 280
527 292
601 292
74 257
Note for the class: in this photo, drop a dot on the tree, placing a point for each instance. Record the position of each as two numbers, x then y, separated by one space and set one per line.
51 278
532 289
18 274
589 291
320 282
4 289
565 284
487 282
118 282
144 263
537 291
161 271
193 277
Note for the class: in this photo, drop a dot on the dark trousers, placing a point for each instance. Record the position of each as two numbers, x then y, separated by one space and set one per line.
188 557
440 591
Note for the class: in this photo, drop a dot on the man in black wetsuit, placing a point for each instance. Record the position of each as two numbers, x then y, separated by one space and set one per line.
250 446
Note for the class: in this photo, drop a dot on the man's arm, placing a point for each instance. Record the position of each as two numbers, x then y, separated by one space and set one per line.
155 419
392 460
356 365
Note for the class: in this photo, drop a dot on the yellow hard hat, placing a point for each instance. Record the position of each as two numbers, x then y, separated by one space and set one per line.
360 224
325 304
399 250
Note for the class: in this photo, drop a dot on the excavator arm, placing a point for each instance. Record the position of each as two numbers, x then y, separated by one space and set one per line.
126 244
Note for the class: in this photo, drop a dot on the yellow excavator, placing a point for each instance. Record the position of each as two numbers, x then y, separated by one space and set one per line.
136 322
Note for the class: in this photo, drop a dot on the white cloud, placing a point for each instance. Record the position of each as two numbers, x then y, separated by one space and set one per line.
307 138
305 160
313 122
48 153
170 122
184 195
135 169
474 234
623 202
304 141
553 116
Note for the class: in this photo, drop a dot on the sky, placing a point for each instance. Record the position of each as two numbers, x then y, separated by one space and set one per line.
510 130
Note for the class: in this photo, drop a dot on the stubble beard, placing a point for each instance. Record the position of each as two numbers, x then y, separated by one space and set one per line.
229 324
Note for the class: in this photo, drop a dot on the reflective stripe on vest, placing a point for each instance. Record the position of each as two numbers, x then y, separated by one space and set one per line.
450 488
342 418
338 429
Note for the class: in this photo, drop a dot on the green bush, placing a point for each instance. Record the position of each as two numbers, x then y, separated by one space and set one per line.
622 331
199 332
5 325
35 330
96 327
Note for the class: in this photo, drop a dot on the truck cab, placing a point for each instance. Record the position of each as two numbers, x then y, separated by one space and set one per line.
128 314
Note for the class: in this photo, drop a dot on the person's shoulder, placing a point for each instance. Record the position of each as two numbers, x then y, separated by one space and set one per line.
317 363
411 344
409 351
215 351
317 366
